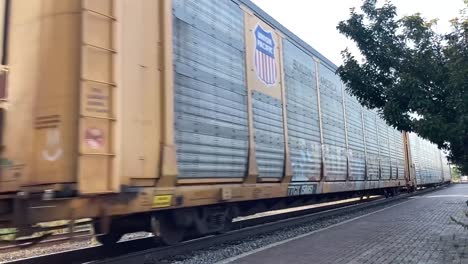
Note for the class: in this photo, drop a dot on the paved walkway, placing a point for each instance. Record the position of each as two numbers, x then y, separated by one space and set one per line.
416 231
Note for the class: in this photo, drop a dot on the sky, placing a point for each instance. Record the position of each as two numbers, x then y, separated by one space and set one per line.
315 21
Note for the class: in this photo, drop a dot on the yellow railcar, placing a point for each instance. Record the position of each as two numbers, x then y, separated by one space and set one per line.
177 112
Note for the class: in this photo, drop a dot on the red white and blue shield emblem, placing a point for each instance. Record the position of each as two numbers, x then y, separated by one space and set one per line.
265 62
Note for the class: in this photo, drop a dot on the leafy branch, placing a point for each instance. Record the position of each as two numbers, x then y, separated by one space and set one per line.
416 78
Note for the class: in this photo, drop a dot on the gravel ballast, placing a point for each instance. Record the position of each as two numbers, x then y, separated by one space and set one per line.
49 248
223 251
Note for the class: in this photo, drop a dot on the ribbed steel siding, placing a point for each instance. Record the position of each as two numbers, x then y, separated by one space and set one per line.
210 93
384 149
433 163
396 154
269 136
426 159
331 102
372 145
302 113
356 145
435 166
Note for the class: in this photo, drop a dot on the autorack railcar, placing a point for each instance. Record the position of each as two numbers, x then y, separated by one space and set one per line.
175 116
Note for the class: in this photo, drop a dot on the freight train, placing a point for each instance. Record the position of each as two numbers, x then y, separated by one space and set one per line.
176 116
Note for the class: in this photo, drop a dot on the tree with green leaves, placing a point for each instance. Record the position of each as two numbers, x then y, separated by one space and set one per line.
416 78
455 172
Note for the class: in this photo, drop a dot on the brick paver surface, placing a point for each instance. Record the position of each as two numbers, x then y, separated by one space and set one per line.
417 231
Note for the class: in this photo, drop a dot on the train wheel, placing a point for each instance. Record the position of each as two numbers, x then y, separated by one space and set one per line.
165 230
227 225
386 193
108 239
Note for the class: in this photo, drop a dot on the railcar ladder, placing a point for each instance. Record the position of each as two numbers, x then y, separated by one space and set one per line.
97 93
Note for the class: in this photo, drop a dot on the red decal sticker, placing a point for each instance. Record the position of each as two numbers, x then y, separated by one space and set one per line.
94 138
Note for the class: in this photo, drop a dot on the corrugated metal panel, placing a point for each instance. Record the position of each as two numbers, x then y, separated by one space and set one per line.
423 157
356 145
210 93
429 161
269 137
372 145
384 149
302 113
331 103
426 159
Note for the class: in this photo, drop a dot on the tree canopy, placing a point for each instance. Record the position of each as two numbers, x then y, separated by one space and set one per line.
416 78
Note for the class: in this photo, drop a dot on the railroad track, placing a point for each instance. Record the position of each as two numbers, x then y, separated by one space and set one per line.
77 235
145 250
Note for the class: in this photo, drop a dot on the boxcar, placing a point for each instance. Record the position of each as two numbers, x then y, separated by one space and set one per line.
180 115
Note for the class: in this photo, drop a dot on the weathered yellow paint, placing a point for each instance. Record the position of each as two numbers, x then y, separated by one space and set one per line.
168 169
252 171
140 81
97 89
276 90
323 169
41 116
410 174
253 82
288 171
348 161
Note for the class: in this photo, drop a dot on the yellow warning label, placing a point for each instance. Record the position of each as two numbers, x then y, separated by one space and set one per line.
162 200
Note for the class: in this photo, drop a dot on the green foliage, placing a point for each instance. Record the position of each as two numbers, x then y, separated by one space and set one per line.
455 172
415 77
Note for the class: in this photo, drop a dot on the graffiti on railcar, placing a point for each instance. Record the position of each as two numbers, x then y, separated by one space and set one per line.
306 162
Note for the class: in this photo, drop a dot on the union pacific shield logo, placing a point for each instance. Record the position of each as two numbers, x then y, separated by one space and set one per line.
265 63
